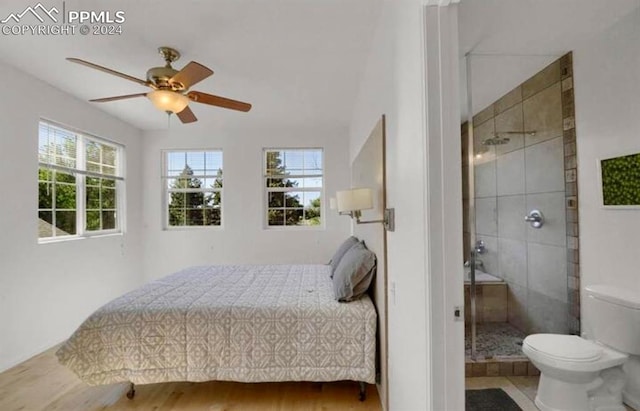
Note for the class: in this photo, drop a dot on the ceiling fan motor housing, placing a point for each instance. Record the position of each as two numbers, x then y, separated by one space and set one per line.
161 76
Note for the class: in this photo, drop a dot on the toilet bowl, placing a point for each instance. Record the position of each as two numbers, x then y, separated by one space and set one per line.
570 373
579 374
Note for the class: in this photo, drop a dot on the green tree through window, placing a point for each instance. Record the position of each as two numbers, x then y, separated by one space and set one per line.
294 185
195 192
71 163
56 203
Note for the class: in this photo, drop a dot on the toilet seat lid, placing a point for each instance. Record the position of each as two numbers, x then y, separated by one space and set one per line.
564 347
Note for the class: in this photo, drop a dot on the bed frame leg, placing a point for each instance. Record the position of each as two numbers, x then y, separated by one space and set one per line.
363 390
132 392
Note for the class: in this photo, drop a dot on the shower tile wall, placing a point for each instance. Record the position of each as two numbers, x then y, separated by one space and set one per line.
510 180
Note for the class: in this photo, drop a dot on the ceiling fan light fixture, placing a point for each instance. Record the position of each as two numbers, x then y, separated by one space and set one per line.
167 100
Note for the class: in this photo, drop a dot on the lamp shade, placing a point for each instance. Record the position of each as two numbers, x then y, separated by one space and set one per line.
167 100
354 199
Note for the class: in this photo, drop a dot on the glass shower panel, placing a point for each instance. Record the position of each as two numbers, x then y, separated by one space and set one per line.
515 199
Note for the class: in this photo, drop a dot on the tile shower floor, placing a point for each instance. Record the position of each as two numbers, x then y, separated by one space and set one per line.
495 340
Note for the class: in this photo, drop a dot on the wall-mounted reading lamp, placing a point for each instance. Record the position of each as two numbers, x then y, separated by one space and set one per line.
352 202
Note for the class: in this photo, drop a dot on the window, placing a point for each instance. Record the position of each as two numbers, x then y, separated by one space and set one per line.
192 183
293 181
80 184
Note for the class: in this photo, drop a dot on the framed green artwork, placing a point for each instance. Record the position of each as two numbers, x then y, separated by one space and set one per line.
620 181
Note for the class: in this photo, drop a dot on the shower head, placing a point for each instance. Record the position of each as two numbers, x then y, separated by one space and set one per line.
499 139
496 141
527 132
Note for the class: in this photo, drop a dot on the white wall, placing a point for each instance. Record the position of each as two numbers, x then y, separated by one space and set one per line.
243 238
411 76
391 86
607 95
46 290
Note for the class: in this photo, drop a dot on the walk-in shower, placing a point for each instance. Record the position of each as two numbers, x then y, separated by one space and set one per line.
520 231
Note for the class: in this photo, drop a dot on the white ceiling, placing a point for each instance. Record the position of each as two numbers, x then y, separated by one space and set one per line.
297 61
516 38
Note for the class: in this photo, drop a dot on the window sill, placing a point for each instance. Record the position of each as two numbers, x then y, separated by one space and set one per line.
194 228
294 228
77 237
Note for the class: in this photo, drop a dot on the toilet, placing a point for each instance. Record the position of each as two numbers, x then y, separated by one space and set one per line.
580 374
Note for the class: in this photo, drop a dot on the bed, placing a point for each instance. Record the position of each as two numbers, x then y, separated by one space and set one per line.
244 323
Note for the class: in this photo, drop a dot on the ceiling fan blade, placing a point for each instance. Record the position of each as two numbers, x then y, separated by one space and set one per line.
212 100
191 74
108 70
187 116
104 100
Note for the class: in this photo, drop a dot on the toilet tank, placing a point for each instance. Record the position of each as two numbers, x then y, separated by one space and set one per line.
614 315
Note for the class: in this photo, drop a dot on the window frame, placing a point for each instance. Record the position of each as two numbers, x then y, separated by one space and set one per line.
165 190
266 190
80 172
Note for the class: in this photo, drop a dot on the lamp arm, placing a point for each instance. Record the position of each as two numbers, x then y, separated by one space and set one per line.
369 221
388 221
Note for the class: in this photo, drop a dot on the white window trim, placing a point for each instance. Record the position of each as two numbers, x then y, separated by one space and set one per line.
265 193
81 174
164 191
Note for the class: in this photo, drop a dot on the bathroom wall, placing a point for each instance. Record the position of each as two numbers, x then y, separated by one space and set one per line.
526 173
607 73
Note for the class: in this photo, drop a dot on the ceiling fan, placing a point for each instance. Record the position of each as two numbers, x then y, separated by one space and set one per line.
171 87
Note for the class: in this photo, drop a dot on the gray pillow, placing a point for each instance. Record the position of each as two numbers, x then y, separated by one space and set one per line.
353 275
342 250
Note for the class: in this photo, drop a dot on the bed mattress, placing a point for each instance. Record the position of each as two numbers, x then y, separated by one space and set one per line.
246 323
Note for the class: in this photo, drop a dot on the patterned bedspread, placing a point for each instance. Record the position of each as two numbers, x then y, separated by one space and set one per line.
243 323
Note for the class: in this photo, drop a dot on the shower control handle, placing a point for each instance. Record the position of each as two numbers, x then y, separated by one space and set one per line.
536 218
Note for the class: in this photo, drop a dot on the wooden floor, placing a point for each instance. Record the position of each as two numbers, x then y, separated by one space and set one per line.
42 384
